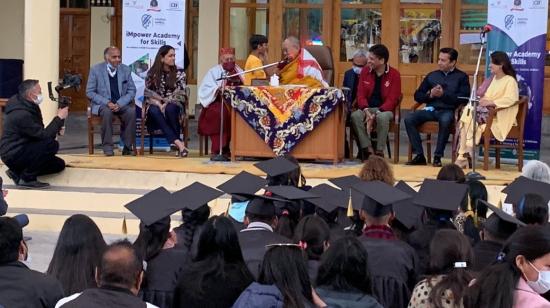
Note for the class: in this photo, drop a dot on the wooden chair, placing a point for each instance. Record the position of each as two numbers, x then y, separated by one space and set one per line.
395 126
157 132
94 127
516 132
323 55
432 127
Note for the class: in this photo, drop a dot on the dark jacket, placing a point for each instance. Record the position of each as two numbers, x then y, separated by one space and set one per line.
485 254
260 295
454 84
351 80
390 88
341 299
106 297
22 125
23 287
420 240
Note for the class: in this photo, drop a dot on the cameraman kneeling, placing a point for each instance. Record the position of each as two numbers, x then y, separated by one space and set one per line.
26 147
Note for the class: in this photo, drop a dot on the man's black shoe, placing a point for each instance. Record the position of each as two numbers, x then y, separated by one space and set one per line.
126 151
418 160
11 174
437 161
32 184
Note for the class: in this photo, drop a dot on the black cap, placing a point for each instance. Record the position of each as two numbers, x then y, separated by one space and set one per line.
441 195
379 197
406 212
290 192
345 182
500 223
243 183
153 206
522 185
276 166
261 205
330 198
195 195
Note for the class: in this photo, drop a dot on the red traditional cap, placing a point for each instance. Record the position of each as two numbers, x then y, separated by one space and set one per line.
227 51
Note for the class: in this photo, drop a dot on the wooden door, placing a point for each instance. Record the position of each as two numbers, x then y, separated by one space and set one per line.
74 51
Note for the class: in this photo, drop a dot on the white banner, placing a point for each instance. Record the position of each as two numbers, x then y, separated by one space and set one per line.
146 26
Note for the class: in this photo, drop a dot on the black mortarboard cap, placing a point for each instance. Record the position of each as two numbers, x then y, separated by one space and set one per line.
195 195
345 182
379 197
243 183
276 166
153 206
406 211
441 195
330 198
261 205
522 185
500 223
290 192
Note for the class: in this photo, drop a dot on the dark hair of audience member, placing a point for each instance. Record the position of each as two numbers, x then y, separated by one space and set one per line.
344 267
152 238
121 265
329 217
376 168
11 236
446 248
532 210
218 245
157 69
477 191
441 218
315 233
191 221
496 285
288 218
284 266
451 172
77 253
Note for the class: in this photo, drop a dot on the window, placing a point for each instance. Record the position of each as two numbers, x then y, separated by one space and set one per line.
473 16
360 26
420 31
246 17
74 4
304 20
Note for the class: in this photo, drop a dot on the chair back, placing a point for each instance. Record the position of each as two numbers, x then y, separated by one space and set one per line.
397 111
518 130
323 55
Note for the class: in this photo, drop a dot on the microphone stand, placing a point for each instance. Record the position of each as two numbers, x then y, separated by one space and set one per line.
223 78
473 101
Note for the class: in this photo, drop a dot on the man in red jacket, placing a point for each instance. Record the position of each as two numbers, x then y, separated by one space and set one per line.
378 93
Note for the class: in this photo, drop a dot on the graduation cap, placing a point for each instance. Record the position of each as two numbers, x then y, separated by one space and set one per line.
276 166
243 183
520 186
290 192
406 212
500 223
261 205
345 182
153 206
379 196
330 198
195 195
441 195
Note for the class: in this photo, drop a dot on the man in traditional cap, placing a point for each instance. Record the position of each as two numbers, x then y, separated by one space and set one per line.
301 67
210 97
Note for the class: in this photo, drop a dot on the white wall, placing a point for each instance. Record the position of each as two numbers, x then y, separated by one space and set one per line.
100 35
12 17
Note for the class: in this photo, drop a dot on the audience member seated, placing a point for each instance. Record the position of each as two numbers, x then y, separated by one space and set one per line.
378 94
22 219
351 76
299 66
499 91
536 170
118 276
187 233
472 214
449 273
440 91
28 148
312 234
77 254
451 172
19 285
165 98
518 276
283 281
218 274
377 168
532 210
257 58
111 91
344 278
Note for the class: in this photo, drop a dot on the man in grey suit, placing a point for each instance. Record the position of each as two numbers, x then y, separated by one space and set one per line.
111 90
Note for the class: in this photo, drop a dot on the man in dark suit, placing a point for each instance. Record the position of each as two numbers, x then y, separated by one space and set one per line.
260 220
19 285
111 90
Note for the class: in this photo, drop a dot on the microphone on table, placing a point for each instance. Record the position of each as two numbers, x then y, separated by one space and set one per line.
486 29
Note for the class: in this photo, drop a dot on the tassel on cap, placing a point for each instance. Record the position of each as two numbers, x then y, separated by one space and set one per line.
227 210
350 206
124 226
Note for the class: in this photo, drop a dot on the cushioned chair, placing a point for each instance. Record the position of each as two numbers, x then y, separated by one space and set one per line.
94 127
323 55
516 132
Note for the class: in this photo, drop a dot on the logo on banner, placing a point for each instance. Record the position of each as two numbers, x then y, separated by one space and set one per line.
146 20
508 21
537 5
517 6
174 6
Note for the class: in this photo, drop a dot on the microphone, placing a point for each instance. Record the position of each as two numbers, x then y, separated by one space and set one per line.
486 29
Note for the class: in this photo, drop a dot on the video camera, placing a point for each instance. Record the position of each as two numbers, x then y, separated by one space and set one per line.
69 81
